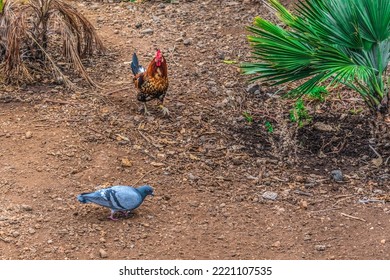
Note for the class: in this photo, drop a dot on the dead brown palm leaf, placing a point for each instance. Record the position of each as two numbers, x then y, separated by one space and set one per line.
12 32
30 31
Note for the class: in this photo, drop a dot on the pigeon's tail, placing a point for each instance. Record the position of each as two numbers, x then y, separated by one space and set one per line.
81 198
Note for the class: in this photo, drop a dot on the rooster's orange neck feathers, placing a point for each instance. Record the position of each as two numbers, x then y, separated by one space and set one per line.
153 68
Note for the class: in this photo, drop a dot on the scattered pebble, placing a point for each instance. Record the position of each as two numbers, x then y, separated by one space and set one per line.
103 254
320 247
26 207
194 203
192 177
307 237
147 31
28 135
187 42
303 204
270 195
252 88
337 175
320 126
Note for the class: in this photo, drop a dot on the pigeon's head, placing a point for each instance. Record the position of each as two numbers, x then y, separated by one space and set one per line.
145 190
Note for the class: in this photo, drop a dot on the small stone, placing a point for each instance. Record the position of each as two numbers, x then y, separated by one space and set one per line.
138 25
28 134
337 175
187 42
15 233
31 231
383 241
214 89
147 31
270 195
276 244
323 127
211 83
26 207
194 203
103 254
320 247
192 177
125 162
252 88
307 237
303 204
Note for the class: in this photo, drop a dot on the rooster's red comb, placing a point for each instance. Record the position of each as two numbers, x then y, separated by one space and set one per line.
158 53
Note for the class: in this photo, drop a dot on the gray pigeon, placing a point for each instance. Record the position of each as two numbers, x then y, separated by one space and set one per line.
117 198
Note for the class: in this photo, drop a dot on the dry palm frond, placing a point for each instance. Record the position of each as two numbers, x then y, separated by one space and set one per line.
12 32
29 32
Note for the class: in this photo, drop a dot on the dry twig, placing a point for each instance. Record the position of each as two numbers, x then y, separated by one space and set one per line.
143 176
353 217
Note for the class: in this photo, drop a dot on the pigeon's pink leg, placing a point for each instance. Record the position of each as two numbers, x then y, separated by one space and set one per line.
112 216
125 213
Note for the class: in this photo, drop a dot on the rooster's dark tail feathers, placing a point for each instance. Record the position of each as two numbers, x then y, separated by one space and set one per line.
135 67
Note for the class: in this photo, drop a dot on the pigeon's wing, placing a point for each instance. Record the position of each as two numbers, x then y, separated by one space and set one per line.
126 197
100 197
117 198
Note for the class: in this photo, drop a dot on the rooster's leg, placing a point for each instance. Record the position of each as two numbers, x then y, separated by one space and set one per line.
164 109
146 112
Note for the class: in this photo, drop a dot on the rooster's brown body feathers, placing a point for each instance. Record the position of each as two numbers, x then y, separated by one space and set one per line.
152 83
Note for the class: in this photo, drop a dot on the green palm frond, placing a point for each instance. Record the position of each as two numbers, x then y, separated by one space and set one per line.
341 41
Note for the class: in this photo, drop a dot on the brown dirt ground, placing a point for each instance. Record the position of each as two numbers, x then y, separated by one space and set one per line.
209 167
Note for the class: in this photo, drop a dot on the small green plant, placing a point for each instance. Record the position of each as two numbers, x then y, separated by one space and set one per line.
269 127
318 93
230 61
299 113
248 117
356 111
1 6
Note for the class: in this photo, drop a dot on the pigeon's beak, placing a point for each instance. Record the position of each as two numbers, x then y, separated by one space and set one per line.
152 194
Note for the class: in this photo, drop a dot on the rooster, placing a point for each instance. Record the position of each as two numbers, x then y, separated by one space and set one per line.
151 83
